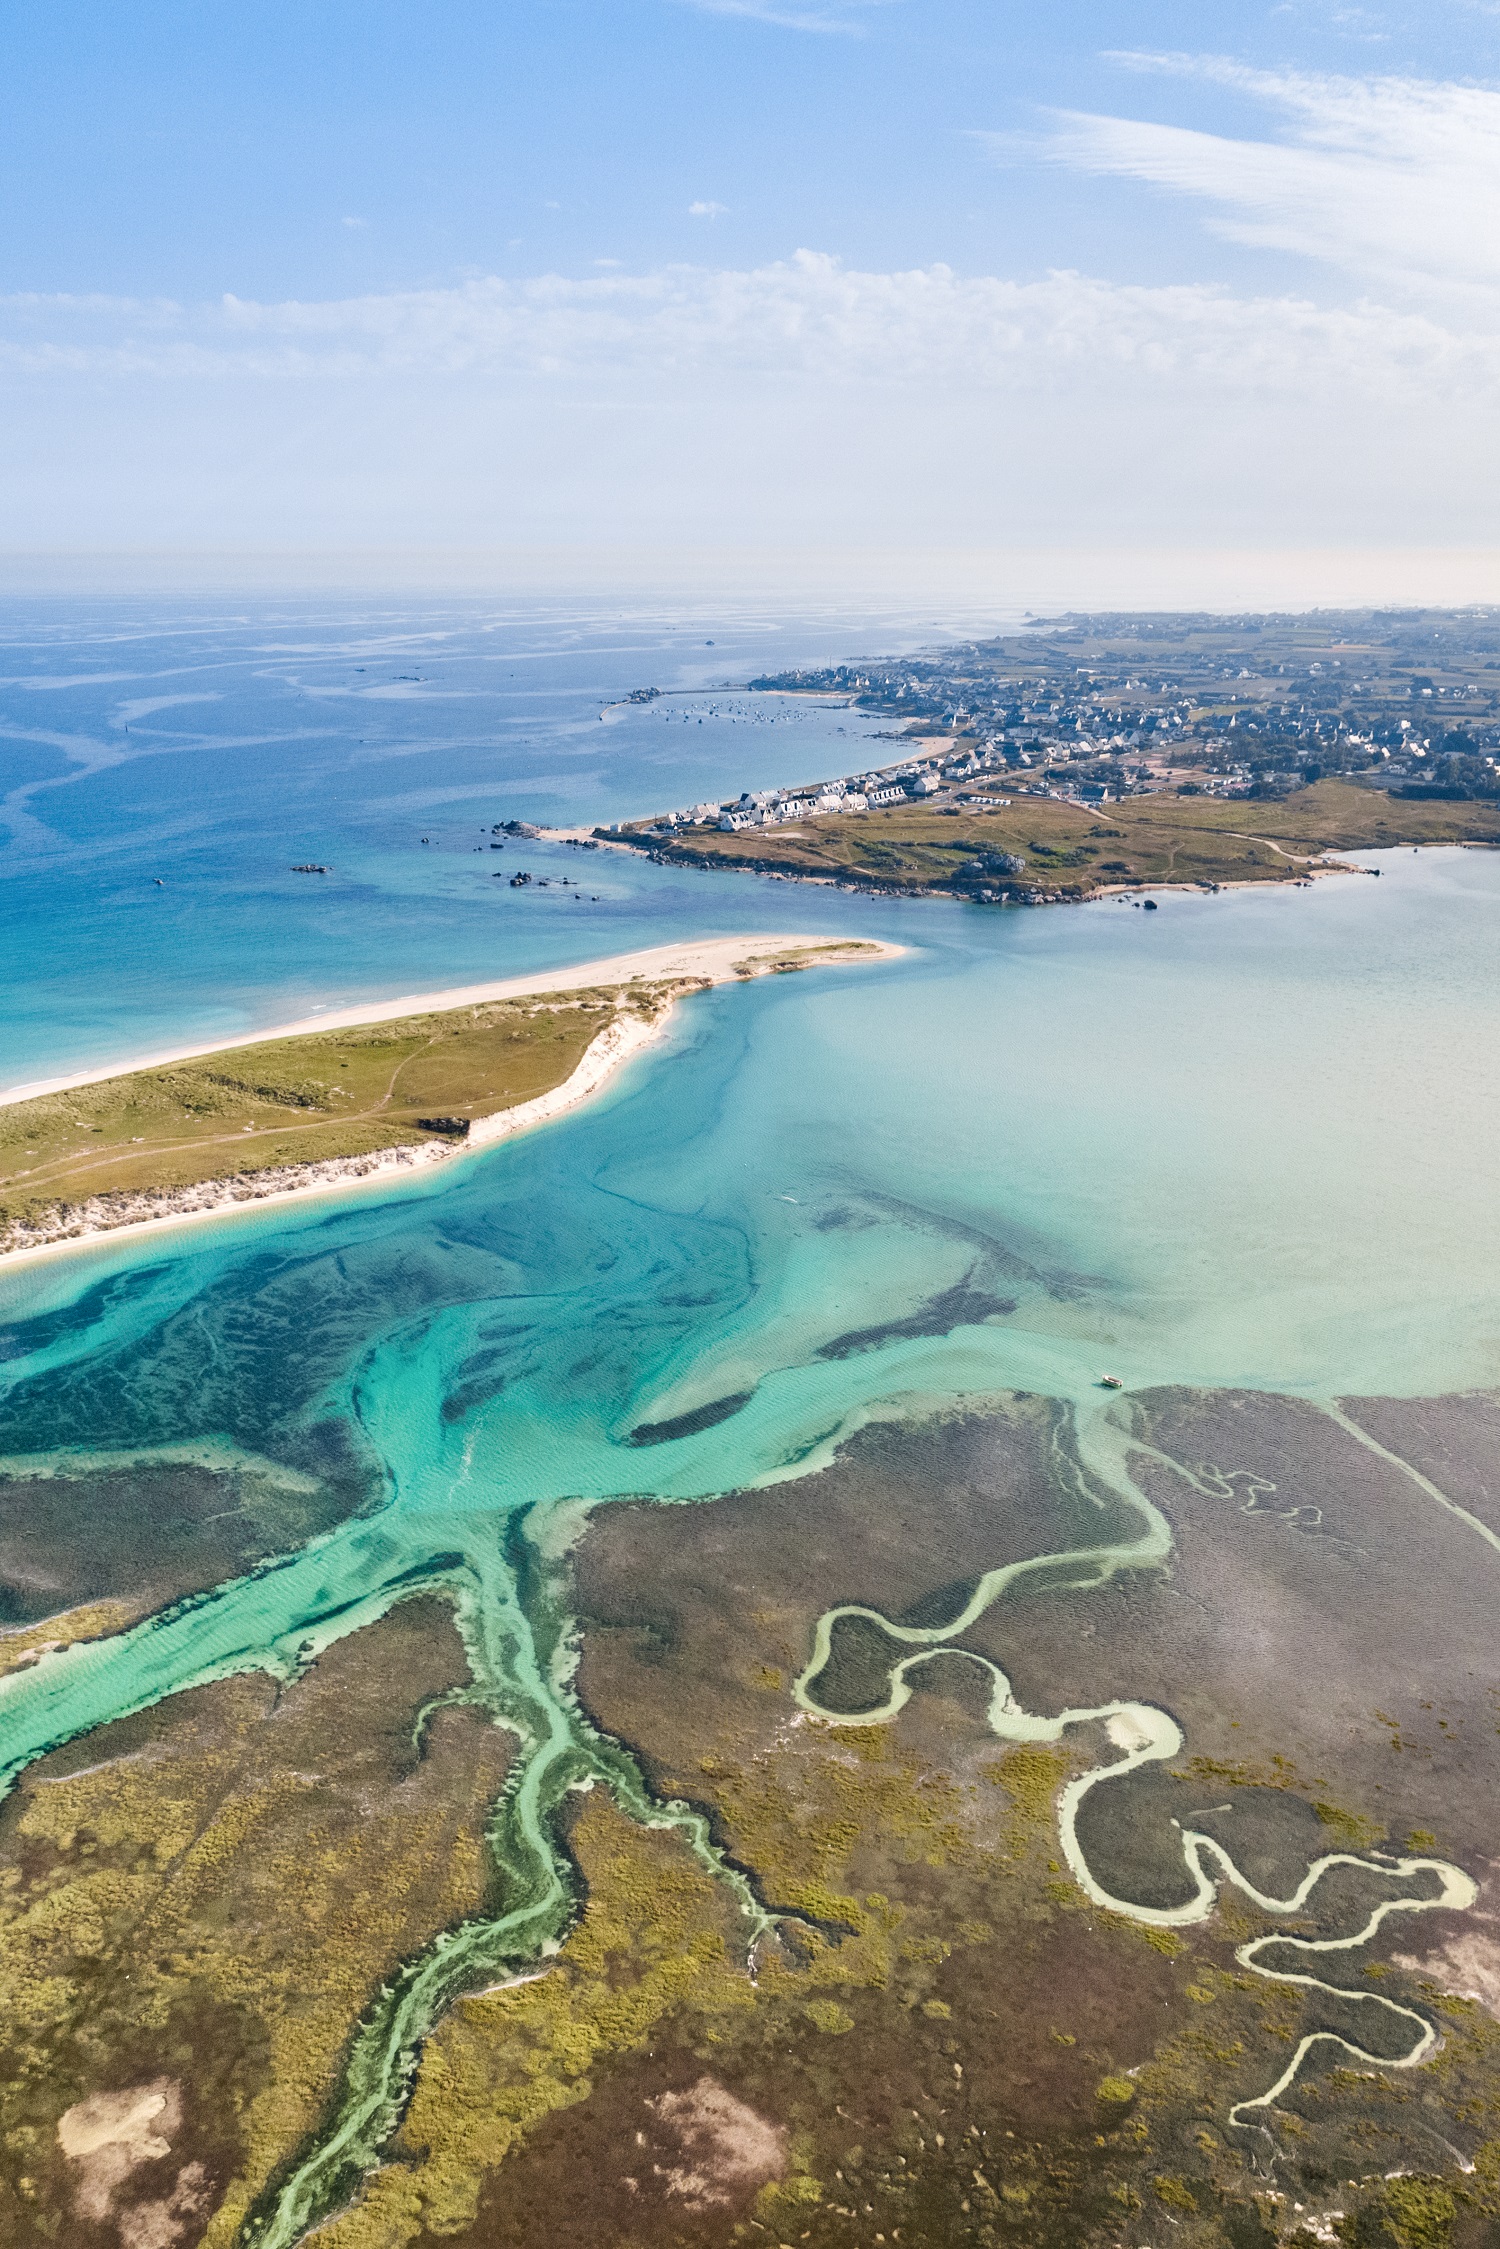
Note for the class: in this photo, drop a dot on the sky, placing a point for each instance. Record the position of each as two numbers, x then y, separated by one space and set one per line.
796 274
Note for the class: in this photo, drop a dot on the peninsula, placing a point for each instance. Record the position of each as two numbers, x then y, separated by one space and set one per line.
367 1093
1047 850
1091 754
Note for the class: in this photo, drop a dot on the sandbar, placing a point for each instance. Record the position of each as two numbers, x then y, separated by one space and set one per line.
716 958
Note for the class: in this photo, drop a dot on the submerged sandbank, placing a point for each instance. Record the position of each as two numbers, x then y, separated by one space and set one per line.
680 968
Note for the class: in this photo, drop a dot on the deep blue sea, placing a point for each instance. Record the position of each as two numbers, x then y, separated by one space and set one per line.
164 763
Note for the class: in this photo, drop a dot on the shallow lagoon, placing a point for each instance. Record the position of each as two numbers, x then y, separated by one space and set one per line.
1258 1127
1243 1141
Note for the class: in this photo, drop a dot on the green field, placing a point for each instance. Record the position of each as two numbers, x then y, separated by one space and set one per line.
315 1098
293 1101
1073 850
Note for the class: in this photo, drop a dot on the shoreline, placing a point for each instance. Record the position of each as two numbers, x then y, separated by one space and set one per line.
1298 876
710 957
720 960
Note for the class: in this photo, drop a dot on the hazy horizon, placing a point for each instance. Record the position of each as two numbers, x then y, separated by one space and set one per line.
964 588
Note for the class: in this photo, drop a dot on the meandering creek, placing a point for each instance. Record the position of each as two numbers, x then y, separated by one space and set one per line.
1085 1126
1144 1735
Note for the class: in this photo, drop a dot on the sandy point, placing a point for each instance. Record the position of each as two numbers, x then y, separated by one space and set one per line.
718 959
710 961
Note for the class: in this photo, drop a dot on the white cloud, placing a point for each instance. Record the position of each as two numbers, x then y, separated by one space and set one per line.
1394 180
806 398
707 210
805 317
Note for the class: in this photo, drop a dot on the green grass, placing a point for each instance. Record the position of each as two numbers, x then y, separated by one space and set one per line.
324 1095
290 1101
1075 849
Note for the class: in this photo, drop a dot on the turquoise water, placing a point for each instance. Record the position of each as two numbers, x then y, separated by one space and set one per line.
1244 1140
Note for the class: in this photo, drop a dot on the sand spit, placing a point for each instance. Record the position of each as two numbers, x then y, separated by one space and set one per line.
714 961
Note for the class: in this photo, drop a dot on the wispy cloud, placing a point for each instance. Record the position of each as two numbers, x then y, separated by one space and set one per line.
1394 180
702 210
842 16
806 316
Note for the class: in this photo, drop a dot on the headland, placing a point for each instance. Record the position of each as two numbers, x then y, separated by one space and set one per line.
1097 755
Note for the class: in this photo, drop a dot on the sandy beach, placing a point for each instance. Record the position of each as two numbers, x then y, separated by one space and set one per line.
713 960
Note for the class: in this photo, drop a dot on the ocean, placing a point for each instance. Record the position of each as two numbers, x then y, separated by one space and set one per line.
164 765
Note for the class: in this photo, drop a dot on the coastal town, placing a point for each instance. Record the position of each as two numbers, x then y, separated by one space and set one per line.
1365 723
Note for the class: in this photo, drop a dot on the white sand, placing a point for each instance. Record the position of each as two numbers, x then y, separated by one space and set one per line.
713 957
719 960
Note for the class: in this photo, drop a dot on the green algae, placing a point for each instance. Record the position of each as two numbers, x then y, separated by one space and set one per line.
518 1661
553 1442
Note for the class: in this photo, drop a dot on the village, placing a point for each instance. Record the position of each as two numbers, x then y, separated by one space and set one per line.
1092 710
1095 709
960 774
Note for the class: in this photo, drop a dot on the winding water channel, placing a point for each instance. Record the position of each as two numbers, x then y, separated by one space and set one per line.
1050 1119
1144 1735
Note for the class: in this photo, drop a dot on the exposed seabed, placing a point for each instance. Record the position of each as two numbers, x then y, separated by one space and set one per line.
1145 1735
505 1572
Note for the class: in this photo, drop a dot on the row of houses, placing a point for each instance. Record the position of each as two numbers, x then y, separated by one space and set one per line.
769 808
941 772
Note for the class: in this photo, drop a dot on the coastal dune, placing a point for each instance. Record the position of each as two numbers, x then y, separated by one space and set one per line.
714 960
648 984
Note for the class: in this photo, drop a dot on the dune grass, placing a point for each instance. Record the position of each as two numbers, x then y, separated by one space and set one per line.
292 1101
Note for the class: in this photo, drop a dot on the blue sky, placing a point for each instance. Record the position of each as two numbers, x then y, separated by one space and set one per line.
907 271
